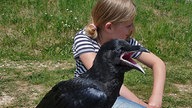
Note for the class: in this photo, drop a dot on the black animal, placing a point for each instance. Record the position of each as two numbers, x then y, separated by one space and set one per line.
99 86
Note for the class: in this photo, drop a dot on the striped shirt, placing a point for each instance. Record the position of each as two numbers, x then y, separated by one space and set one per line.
83 44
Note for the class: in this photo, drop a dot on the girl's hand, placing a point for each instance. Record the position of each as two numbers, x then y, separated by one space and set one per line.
155 102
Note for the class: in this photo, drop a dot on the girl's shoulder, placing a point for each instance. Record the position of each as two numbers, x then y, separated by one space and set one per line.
83 44
81 36
81 32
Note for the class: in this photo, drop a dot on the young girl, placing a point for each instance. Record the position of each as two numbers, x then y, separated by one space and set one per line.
113 19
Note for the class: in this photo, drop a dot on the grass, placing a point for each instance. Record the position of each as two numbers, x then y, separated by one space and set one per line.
36 38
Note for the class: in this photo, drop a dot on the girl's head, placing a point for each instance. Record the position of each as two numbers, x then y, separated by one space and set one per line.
113 11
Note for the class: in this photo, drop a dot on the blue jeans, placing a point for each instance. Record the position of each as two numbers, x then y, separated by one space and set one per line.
122 102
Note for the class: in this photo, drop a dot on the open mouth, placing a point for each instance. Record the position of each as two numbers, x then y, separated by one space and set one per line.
127 59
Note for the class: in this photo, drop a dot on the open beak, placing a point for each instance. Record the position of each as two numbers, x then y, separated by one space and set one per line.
127 59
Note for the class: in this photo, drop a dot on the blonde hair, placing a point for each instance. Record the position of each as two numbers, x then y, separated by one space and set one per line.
114 11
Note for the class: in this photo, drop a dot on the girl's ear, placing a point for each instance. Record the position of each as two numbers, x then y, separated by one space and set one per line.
108 26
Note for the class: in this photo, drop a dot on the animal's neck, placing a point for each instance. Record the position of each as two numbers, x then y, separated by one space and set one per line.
111 79
105 74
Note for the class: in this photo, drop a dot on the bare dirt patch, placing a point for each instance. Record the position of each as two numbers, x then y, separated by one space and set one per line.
30 91
184 88
26 92
5 99
36 65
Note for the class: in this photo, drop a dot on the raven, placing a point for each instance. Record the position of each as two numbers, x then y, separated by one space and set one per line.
99 86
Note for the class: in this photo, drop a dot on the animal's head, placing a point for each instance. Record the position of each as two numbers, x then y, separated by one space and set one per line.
118 53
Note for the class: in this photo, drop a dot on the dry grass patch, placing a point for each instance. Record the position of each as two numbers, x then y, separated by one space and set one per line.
17 89
5 99
183 89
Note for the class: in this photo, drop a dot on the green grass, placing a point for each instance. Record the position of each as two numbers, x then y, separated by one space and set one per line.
36 38
33 29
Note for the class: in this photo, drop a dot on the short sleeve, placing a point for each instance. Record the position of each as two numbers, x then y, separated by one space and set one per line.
82 44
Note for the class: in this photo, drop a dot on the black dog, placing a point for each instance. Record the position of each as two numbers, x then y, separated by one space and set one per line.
99 86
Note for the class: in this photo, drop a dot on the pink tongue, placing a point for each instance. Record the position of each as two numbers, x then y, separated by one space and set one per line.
128 57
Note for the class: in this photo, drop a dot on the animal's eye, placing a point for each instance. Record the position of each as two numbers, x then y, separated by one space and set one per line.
118 50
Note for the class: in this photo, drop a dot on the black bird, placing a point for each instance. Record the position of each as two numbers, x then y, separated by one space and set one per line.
99 86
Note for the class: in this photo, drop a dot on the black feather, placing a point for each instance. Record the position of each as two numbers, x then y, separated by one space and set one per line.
99 86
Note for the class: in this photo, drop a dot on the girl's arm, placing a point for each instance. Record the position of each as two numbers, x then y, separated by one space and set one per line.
125 92
159 74
87 59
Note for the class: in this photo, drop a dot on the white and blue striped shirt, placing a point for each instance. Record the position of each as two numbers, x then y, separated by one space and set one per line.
83 44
